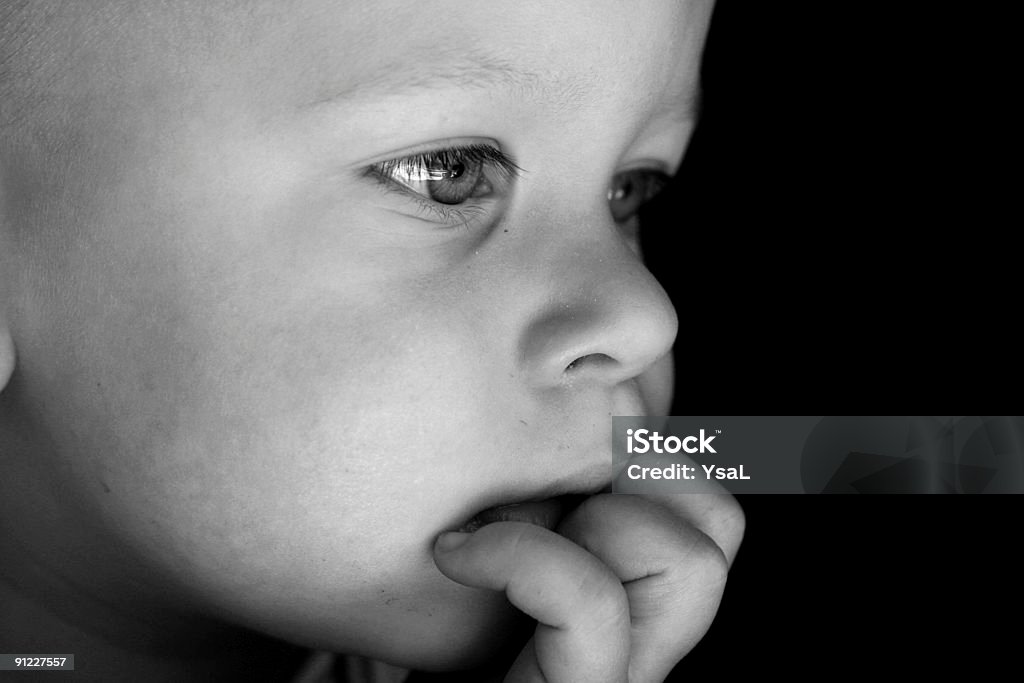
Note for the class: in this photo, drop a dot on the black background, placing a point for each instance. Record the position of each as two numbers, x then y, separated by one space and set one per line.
836 243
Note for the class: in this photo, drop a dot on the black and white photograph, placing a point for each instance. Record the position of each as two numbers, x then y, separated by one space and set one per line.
335 339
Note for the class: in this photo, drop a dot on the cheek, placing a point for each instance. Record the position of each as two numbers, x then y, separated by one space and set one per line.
267 446
295 423
307 484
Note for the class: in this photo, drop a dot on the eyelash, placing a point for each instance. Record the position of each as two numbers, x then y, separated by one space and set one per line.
492 160
493 164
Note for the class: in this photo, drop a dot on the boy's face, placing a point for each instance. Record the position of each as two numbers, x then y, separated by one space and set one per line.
253 359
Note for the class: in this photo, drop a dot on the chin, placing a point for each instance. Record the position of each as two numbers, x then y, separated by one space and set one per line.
481 629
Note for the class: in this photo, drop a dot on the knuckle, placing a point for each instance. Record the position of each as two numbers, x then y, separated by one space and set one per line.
706 564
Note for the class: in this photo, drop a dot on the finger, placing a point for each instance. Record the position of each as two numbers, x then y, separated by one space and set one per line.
718 515
581 608
673 574
704 503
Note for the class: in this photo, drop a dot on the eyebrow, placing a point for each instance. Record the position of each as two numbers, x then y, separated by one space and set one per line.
474 70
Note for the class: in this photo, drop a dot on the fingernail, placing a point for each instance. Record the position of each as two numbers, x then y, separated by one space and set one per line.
450 540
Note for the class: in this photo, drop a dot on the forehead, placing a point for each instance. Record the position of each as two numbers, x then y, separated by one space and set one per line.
311 51
530 44
127 65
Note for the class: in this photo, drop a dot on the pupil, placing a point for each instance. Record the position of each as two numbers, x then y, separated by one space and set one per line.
627 188
456 181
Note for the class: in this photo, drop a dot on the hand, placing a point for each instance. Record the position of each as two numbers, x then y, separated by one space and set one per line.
624 589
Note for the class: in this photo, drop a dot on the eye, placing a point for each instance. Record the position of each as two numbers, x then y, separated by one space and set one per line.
449 183
632 189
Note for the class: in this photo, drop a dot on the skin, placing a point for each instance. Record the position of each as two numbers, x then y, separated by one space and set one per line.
245 389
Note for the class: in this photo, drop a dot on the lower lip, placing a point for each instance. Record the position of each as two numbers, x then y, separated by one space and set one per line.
546 513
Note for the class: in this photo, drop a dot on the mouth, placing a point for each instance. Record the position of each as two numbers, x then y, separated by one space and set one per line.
546 513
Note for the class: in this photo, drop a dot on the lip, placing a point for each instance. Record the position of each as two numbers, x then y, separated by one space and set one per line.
547 506
544 507
545 513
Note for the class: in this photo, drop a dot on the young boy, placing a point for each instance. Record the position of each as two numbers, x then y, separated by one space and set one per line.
313 318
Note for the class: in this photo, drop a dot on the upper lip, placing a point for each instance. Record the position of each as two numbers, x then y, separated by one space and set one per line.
594 478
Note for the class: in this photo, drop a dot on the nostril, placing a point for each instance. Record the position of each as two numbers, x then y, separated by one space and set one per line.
591 361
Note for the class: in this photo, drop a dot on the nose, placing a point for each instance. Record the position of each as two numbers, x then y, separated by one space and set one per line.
605 320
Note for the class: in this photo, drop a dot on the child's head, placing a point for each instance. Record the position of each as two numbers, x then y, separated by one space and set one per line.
256 367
